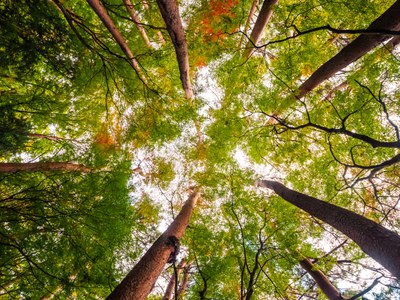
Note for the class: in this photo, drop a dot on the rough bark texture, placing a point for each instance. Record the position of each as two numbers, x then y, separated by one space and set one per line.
140 280
171 284
135 19
105 18
322 281
170 12
43 166
262 21
389 20
375 240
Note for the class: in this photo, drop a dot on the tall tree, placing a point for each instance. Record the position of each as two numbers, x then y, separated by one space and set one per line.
322 281
170 12
173 283
135 19
261 22
108 22
43 166
378 242
140 280
388 21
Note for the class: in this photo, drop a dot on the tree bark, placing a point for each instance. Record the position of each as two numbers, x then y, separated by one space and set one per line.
248 21
43 166
170 12
389 20
140 280
185 280
261 22
135 19
375 240
322 281
171 284
105 18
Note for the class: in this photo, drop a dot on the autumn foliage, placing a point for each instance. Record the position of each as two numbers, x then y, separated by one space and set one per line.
212 20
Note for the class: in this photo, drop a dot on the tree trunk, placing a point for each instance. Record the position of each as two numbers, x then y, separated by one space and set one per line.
105 18
262 21
136 20
171 284
170 12
394 41
378 242
185 280
389 20
140 280
248 21
43 166
322 281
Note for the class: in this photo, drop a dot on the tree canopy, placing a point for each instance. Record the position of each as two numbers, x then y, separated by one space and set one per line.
112 112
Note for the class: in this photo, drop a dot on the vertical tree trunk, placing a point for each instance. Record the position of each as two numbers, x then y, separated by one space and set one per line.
43 166
138 283
262 21
105 18
322 281
170 12
378 242
171 284
135 19
389 20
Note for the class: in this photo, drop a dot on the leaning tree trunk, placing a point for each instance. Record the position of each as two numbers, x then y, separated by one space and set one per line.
262 21
389 20
375 240
248 21
135 19
105 18
140 280
43 166
185 280
322 281
172 281
170 12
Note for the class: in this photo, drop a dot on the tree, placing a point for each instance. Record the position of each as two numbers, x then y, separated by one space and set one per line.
261 22
145 99
42 166
381 244
140 280
353 51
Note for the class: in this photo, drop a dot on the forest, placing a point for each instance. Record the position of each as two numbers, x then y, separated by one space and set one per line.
199 149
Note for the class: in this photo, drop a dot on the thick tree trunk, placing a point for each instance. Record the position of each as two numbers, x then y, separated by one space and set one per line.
43 166
261 22
105 18
135 19
322 281
140 280
170 12
378 242
171 284
389 20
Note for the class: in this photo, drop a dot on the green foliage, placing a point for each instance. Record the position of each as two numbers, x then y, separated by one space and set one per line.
69 94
